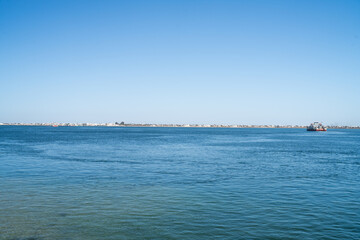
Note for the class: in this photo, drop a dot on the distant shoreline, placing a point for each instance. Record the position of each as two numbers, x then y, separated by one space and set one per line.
166 125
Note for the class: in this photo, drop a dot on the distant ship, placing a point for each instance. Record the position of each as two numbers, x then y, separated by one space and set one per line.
316 126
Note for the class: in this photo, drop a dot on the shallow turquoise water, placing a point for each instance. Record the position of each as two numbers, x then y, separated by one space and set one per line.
178 183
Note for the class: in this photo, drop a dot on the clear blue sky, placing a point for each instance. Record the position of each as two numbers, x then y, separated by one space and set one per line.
225 62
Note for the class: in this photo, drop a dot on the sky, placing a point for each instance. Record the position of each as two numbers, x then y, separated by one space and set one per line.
205 62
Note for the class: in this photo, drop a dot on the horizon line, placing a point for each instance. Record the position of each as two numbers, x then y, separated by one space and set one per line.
122 124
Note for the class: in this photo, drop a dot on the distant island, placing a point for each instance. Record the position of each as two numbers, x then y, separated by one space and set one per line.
122 124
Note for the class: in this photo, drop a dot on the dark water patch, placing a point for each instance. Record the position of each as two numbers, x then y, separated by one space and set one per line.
63 214
27 238
19 149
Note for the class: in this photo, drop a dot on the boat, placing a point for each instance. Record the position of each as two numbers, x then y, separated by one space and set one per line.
316 126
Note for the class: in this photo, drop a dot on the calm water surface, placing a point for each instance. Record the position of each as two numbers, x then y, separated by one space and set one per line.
178 183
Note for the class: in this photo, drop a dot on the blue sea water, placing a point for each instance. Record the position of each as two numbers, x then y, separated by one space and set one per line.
178 183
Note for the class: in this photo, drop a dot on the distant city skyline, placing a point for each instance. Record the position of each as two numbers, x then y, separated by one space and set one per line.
180 62
122 124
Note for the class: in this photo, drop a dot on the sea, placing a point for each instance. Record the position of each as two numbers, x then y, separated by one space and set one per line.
75 183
